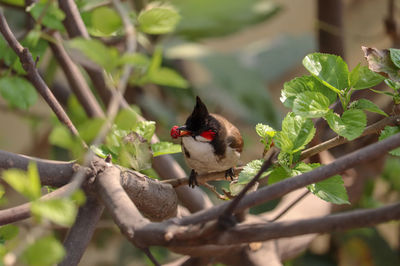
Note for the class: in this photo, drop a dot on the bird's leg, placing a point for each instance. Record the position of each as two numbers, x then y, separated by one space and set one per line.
192 179
230 172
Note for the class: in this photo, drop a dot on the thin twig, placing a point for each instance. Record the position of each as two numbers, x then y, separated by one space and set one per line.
338 140
291 205
30 67
75 79
23 211
230 209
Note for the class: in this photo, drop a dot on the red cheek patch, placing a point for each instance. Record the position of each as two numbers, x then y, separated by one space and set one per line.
209 134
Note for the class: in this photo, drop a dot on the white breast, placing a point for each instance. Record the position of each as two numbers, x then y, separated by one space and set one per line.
202 158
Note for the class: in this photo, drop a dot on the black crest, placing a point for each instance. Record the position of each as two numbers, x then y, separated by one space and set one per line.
196 121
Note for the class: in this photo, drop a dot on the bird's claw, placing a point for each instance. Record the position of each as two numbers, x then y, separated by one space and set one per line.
193 179
230 172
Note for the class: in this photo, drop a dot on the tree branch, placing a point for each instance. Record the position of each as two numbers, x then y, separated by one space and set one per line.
338 140
331 223
23 211
81 232
75 78
76 28
52 173
29 66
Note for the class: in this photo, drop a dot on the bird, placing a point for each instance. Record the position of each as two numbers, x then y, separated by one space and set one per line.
210 143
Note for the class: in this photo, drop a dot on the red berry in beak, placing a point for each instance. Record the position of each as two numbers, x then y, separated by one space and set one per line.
175 132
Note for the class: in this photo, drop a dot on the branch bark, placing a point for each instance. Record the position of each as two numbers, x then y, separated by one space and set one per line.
23 211
52 173
81 232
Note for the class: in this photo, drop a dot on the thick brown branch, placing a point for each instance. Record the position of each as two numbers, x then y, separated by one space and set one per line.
29 66
23 211
332 223
52 173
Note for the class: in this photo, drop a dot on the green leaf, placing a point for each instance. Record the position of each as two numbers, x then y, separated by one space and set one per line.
393 84
364 104
364 78
265 131
210 18
61 137
311 104
387 132
78 197
145 129
26 183
8 232
136 59
278 174
383 92
90 129
351 125
331 70
296 133
158 20
106 57
293 88
18 92
249 171
331 190
44 252
161 148
126 119
2 191
106 21
395 56
60 211
49 14
166 77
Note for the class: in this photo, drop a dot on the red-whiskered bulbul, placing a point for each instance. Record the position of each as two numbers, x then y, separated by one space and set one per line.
210 143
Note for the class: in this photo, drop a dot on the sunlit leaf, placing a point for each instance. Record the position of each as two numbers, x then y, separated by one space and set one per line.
331 70
311 104
249 171
296 133
161 148
146 129
265 131
364 104
351 125
362 78
331 190
106 20
158 20
292 89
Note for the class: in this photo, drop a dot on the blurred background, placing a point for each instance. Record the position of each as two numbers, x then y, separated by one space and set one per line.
236 56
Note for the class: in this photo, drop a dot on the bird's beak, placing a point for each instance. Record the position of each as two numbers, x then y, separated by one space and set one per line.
183 131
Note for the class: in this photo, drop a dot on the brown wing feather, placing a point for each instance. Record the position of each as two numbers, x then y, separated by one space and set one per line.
233 137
